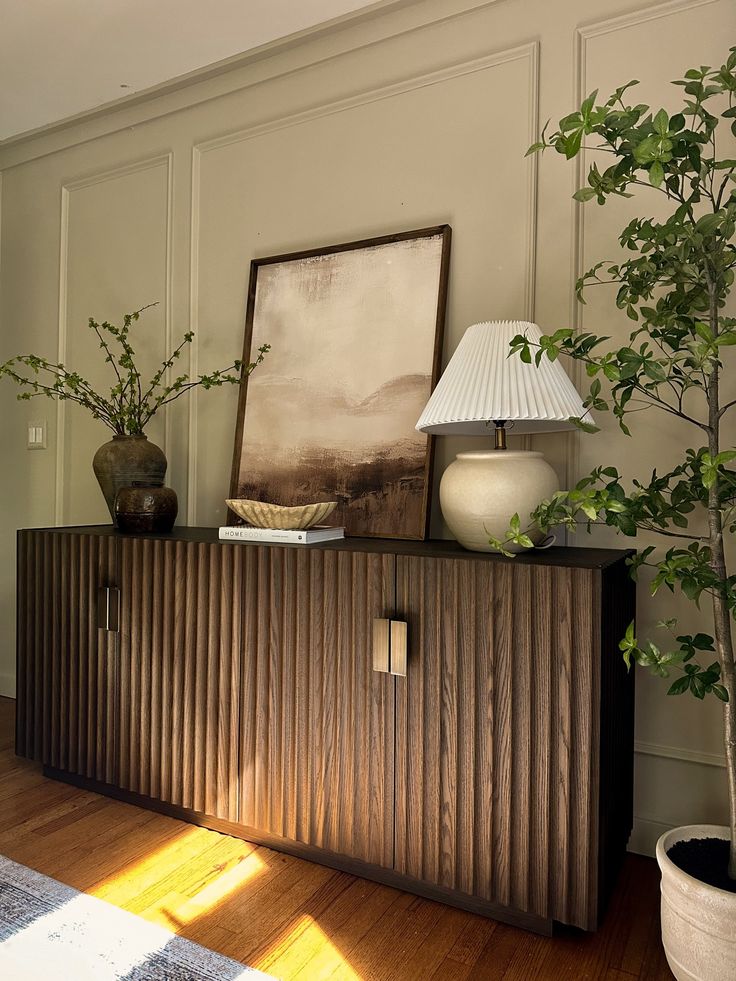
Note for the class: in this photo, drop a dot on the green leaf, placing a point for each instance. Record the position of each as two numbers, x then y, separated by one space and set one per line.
588 104
656 174
697 687
680 686
702 642
708 224
572 144
725 456
586 427
661 122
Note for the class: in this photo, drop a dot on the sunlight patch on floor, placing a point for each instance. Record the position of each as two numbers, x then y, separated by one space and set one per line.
295 949
184 878
137 876
178 911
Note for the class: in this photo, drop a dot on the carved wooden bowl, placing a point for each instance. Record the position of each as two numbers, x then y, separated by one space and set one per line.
262 515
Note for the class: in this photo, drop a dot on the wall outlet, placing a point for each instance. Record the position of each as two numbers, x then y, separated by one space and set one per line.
36 438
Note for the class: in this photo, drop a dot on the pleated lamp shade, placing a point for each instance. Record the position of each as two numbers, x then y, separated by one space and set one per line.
482 384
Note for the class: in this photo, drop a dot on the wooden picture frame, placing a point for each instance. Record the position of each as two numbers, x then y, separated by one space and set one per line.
317 309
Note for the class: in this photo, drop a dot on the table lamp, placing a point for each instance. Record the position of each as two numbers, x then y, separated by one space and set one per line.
481 391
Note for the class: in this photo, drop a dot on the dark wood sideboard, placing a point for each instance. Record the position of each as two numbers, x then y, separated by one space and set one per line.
234 685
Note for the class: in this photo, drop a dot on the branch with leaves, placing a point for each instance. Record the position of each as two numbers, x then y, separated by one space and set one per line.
673 285
130 404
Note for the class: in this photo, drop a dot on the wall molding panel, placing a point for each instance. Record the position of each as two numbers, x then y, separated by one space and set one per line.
68 187
528 52
582 36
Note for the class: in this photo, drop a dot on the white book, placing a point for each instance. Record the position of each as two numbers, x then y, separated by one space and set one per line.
305 536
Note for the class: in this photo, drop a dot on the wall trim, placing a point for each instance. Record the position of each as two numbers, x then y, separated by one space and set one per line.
530 286
679 753
7 684
645 834
61 339
642 15
192 417
529 51
67 187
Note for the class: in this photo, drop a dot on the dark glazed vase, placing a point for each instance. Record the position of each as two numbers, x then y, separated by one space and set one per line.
128 460
146 509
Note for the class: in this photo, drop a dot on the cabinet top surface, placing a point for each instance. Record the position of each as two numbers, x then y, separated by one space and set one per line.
566 556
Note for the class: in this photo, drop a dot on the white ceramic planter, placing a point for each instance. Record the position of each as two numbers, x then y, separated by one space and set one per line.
698 921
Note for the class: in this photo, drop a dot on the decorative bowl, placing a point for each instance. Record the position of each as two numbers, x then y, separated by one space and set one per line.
262 515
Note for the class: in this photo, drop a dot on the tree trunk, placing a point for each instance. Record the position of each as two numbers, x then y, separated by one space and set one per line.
721 612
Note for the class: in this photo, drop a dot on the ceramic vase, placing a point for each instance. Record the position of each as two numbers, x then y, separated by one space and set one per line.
145 509
127 460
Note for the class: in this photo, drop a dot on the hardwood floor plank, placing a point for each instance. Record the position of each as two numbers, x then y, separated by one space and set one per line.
390 949
643 922
363 905
450 970
497 955
288 948
434 947
469 945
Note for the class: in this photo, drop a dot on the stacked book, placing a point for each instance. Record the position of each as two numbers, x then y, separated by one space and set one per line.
303 536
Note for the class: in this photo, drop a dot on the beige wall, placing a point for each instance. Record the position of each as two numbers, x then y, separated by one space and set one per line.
413 115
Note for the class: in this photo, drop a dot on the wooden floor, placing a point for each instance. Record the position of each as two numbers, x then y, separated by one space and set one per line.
290 918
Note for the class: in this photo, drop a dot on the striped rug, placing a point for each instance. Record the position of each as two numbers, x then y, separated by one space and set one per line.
51 932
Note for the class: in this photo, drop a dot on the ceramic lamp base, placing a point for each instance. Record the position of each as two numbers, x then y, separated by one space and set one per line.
481 491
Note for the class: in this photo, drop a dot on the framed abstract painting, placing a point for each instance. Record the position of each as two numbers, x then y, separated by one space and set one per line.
356 339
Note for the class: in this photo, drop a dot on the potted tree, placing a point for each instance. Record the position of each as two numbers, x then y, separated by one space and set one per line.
132 401
673 284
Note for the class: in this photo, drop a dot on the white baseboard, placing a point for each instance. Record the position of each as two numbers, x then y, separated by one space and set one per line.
644 835
7 684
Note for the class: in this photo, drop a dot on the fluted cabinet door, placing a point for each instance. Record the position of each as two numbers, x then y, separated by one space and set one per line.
317 721
179 673
66 665
497 733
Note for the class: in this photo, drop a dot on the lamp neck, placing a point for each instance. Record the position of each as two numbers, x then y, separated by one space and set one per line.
500 434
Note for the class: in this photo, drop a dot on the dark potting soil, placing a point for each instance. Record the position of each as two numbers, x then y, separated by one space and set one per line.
705 859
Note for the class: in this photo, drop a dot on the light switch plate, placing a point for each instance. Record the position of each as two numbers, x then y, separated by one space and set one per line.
36 438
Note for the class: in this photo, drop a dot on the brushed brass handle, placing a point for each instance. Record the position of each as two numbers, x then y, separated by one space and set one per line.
390 646
398 647
108 608
381 645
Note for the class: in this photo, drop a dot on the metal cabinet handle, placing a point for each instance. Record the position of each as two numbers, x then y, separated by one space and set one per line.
390 646
381 645
398 647
108 608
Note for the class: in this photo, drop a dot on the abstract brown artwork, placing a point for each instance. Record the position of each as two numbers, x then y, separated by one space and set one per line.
355 333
